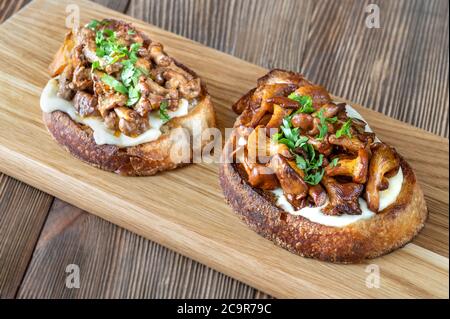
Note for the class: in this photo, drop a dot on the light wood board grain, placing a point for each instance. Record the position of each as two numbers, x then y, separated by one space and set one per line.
206 230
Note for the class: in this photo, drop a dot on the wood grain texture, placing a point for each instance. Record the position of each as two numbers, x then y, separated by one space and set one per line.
206 229
159 272
115 263
23 210
400 69
9 7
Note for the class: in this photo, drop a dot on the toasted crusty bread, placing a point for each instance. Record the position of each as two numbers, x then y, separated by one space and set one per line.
388 230
393 228
141 160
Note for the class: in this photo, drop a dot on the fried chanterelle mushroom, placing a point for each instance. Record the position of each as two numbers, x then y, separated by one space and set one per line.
113 71
300 140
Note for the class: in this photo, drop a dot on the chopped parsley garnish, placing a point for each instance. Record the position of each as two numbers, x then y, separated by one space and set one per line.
323 127
163 115
113 83
110 51
289 136
108 47
312 164
305 102
345 129
133 96
313 167
93 24
334 162
95 65
131 32
315 177
133 52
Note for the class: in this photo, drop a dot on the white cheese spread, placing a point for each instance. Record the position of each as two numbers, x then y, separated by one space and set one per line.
50 102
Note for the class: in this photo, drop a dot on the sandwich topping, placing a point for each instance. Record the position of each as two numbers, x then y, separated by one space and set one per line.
119 83
317 157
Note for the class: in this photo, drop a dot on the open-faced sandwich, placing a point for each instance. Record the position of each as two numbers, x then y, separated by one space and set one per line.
308 173
117 101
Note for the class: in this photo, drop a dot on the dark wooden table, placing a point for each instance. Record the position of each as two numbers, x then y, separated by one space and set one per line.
400 69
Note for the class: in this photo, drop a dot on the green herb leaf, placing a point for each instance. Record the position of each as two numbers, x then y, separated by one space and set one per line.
133 52
301 162
133 96
110 33
163 115
96 65
131 32
287 142
305 102
332 119
93 24
113 83
345 129
315 178
276 137
323 128
334 162
301 141
310 164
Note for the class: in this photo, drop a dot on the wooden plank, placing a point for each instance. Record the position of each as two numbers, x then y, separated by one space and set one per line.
8 8
267 33
329 42
115 263
208 225
187 278
400 69
23 210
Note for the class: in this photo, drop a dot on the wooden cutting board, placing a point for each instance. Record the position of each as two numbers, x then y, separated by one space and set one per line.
184 209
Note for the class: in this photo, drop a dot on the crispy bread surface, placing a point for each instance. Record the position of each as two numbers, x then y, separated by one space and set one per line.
388 230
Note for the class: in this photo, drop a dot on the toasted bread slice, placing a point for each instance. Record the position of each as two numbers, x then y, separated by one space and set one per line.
165 77
393 228
388 229
140 160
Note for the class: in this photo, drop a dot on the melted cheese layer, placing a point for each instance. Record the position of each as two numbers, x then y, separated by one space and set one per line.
50 102
315 214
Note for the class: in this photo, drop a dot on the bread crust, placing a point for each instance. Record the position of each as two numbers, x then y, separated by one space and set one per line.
388 230
140 160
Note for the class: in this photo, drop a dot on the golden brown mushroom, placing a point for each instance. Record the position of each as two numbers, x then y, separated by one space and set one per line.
355 167
260 176
318 194
322 146
130 122
343 197
284 102
259 99
318 94
156 51
260 147
332 109
295 189
352 144
304 121
384 160
62 57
